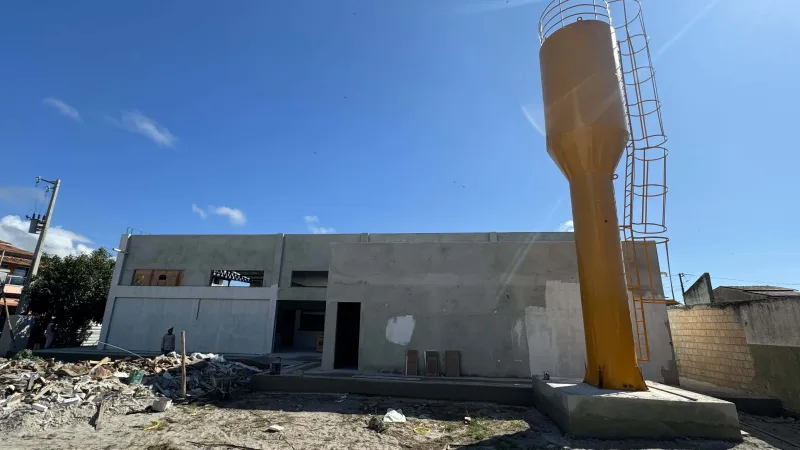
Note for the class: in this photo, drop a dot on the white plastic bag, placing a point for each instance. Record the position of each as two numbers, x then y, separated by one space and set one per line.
393 416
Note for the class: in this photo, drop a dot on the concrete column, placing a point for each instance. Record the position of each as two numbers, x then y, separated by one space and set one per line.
329 346
277 260
112 295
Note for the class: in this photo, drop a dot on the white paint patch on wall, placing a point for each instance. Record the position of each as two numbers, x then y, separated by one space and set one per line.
399 329
556 341
555 332
518 333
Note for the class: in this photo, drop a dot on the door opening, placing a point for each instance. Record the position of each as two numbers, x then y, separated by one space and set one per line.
348 323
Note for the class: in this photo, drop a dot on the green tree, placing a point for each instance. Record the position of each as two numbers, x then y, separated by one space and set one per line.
73 289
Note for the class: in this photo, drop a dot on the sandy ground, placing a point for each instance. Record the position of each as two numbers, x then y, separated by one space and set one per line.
335 422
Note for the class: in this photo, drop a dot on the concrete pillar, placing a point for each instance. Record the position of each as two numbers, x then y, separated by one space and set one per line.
112 295
277 260
329 346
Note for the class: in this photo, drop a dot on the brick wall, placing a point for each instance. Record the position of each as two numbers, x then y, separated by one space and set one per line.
710 345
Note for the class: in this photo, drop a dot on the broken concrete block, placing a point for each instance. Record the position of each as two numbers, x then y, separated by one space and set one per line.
274 428
13 399
39 407
162 404
71 400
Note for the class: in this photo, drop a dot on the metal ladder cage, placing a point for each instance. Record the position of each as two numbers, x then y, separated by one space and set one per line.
643 221
644 213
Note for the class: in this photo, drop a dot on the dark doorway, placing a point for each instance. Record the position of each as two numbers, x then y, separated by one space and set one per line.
299 326
348 323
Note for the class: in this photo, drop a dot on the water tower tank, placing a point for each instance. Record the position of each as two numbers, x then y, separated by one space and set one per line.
587 131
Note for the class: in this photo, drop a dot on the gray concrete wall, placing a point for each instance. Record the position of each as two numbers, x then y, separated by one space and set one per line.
752 346
511 308
216 319
212 325
198 255
510 302
700 292
724 294
442 296
771 322
466 297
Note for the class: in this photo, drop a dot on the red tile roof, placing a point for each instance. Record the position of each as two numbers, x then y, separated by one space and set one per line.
15 255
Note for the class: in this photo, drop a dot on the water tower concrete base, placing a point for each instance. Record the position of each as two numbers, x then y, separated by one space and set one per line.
663 412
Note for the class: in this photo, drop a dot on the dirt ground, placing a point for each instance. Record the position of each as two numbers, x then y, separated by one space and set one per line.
326 421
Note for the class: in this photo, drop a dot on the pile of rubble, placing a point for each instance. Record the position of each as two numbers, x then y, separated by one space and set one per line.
57 393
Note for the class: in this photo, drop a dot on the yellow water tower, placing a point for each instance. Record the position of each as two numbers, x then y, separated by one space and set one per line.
586 135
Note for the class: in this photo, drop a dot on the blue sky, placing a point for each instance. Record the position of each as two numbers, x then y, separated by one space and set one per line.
393 116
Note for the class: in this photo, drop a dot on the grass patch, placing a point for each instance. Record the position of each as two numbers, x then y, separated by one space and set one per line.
480 429
449 427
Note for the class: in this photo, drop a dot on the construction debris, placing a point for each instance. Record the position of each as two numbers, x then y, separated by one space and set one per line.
376 423
49 393
162 404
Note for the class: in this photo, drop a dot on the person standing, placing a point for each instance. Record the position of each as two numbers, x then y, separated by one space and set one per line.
168 342
49 333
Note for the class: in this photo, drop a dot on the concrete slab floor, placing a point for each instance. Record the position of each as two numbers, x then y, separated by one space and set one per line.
663 412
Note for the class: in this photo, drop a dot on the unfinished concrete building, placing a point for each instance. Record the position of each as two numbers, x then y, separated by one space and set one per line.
509 303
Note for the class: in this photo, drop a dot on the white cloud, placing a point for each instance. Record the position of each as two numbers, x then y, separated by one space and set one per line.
63 108
236 216
568 226
199 211
313 226
535 115
59 241
20 194
136 122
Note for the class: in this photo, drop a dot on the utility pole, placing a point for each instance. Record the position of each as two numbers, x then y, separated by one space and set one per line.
24 301
680 277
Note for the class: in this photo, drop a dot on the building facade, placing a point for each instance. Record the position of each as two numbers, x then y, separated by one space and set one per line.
14 265
508 302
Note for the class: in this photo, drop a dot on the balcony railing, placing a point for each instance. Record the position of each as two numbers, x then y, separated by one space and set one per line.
12 280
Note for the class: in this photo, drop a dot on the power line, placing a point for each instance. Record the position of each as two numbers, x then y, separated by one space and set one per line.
775 283
757 281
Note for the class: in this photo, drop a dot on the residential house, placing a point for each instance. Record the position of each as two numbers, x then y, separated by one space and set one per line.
14 268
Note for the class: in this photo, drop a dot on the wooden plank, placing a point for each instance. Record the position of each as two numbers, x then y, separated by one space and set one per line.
183 364
157 281
105 360
412 362
142 277
100 416
452 363
432 363
42 391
